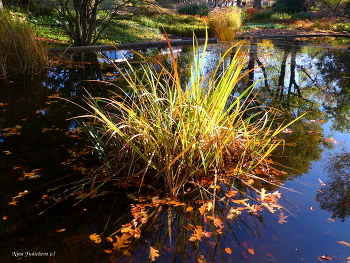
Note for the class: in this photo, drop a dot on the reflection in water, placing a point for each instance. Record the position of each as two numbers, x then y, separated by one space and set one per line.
303 79
335 196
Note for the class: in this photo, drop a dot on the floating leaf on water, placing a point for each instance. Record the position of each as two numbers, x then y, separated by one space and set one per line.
189 209
245 254
109 239
153 253
201 259
281 218
231 193
108 251
330 220
60 230
321 183
326 257
4 217
344 243
312 208
95 237
251 251
228 250
269 255
331 140
316 121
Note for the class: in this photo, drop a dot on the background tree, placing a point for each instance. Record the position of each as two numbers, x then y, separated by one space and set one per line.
86 20
257 4
292 6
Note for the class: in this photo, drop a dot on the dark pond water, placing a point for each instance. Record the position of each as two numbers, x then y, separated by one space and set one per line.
41 149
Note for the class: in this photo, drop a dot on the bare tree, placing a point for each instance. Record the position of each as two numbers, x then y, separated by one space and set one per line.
86 20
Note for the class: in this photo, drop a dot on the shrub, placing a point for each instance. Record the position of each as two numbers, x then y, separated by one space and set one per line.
250 12
194 9
263 16
301 16
225 22
20 52
280 16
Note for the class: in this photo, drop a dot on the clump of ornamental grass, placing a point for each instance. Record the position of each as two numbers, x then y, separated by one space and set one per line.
166 133
224 22
20 52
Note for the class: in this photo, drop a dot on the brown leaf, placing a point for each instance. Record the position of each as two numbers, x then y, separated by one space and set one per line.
269 255
153 253
228 250
251 251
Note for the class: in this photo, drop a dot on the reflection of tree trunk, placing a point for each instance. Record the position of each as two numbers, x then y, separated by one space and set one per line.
251 64
1 5
239 2
292 81
283 74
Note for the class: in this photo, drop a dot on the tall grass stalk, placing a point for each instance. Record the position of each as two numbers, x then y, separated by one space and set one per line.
164 131
20 52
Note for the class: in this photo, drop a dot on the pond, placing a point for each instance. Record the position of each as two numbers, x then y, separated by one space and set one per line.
42 151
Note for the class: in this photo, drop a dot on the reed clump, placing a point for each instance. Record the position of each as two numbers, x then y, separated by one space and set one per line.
224 22
166 132
20 52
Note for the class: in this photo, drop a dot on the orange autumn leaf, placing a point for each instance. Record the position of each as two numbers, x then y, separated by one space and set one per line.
269 255
109 239
189 209
108 251
228 250
344 243
96 238
4 217
251 251
44 197
60 230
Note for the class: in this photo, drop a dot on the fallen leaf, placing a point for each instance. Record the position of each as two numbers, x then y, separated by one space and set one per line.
251 251
96 238
153 253
344 243
312 208
109 239
228 250
269 255
326 257
321 183
108 251
231 193
4 217
245 255
60 230
281 218
330 220
189 209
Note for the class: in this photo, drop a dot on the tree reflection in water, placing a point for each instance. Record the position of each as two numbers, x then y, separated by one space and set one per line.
335 196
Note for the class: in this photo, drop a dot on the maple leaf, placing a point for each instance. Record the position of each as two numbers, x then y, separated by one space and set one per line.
281 218
202 209
153 253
